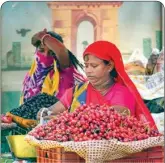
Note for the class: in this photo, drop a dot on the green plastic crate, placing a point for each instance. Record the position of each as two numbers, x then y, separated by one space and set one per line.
4 144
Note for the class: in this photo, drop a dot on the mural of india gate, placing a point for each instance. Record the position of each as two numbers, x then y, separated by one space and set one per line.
67 17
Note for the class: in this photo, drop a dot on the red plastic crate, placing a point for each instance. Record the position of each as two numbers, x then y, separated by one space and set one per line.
151 155
58 155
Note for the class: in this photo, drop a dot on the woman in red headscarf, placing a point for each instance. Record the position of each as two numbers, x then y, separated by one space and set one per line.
108 83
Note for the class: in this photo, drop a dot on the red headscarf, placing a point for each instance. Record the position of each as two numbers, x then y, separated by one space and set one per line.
108 51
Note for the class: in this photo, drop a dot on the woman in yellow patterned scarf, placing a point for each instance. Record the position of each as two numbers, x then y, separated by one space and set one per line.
53 71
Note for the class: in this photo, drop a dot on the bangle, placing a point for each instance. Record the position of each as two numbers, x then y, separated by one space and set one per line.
43 37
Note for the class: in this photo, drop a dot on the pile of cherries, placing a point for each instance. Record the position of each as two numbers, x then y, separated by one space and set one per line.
93 122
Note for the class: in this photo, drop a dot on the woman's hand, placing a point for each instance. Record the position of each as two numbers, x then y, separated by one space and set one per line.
38 36
44 113
28 123
122 110
53 110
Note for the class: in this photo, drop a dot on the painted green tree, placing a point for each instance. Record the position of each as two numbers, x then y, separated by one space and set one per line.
85 44
159 40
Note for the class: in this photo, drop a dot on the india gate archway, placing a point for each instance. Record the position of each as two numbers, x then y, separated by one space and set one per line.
84 38
66 17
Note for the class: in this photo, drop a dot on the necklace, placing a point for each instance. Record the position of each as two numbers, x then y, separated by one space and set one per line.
105 90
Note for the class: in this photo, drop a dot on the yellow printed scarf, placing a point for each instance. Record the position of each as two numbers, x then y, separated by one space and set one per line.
50 85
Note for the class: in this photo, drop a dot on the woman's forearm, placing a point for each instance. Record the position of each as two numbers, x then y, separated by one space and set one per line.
59 49
122 110
57 108
53 44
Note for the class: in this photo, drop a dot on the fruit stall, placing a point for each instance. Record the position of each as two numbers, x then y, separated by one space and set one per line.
96 134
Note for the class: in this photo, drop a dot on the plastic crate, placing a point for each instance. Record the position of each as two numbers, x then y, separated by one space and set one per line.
151 155
4 144
58 155
18 147
10 129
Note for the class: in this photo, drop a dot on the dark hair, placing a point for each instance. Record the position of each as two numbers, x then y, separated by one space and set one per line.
74 60
113 73
72 57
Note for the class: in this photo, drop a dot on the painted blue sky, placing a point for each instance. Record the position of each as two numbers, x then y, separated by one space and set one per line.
17 15
137 20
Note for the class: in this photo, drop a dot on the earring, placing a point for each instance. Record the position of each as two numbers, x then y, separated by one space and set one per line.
110 70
